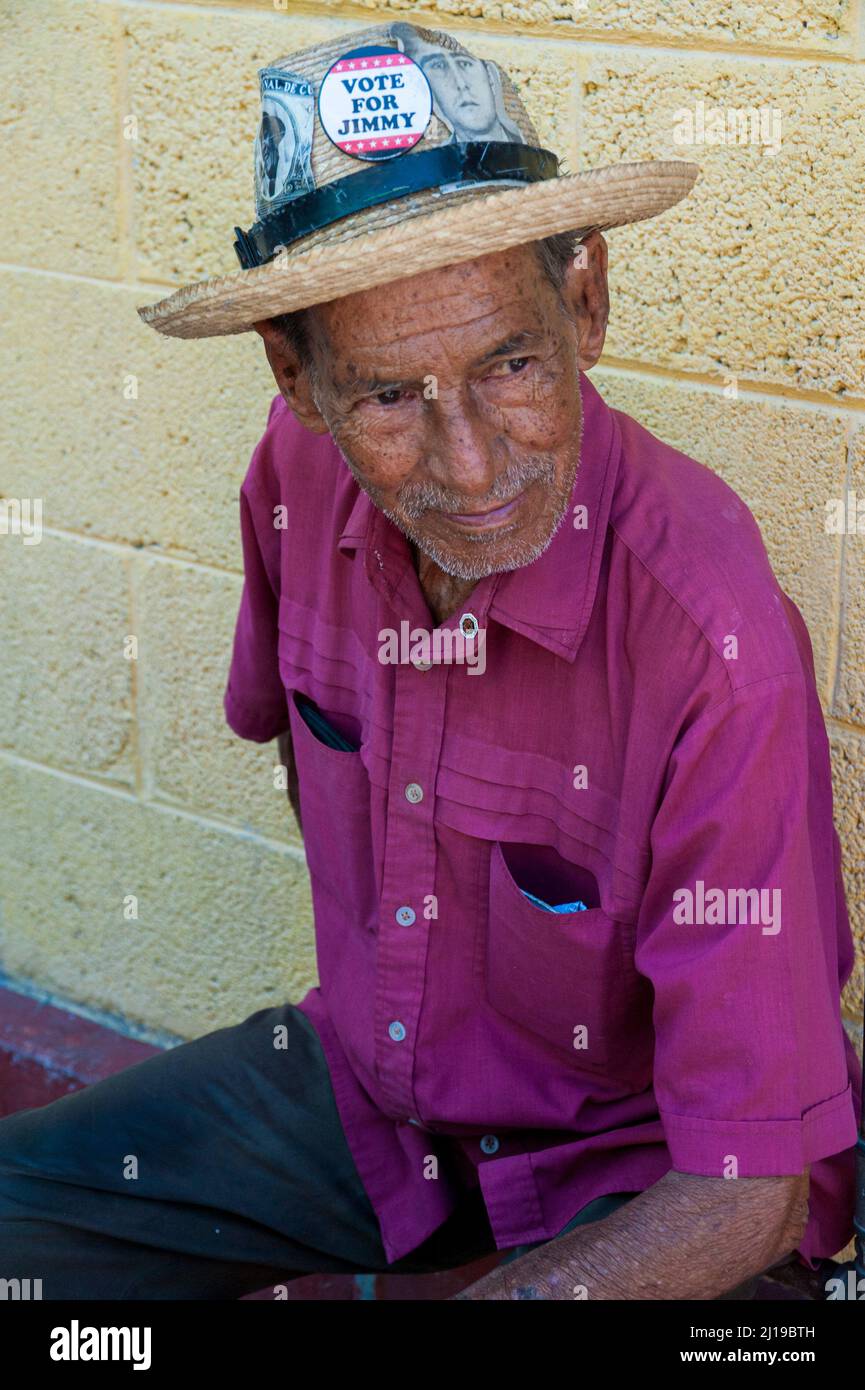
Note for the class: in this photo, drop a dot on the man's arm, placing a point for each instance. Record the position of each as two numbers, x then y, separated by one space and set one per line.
686 1237
286 757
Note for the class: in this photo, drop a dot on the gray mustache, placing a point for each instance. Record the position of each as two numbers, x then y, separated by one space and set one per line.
417 498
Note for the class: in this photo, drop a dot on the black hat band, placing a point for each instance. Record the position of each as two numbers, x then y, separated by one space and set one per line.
476 162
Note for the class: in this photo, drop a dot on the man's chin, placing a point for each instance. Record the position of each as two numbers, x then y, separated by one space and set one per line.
483 555
474 120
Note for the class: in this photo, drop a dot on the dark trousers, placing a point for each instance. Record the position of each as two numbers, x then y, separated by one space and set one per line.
206 1172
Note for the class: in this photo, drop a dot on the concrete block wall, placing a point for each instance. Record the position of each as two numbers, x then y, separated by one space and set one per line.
150 870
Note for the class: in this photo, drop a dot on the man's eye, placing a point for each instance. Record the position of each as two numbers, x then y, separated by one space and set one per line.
390 397
510 367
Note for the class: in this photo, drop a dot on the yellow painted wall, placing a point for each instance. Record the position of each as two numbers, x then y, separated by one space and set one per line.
119 777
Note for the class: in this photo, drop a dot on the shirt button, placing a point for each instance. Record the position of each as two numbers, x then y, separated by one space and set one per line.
412 1120
405 916
489 1143
469 625
421 665
414 792
396 1030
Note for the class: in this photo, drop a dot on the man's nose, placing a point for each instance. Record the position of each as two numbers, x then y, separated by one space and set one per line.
463 81
460 449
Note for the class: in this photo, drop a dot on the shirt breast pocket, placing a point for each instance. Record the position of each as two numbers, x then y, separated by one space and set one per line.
335 805
567 978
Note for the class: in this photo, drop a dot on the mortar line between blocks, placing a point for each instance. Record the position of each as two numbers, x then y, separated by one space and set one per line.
124 156
357 15
771 393
164 808
131 567
841 582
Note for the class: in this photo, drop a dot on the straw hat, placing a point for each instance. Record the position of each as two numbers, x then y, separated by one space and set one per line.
392 151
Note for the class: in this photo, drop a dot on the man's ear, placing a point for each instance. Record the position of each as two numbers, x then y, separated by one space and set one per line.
587 295
291 376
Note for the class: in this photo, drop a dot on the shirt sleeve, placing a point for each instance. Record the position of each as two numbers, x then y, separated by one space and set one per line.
738 934
255 701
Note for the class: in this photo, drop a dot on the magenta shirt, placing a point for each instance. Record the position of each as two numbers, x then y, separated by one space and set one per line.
556 1057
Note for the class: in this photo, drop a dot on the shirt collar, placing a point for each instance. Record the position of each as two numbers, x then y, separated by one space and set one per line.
550 600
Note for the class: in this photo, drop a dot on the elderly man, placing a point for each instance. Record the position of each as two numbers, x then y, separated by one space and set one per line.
579 916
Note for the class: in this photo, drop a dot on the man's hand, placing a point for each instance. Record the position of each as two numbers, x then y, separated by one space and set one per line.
687 1237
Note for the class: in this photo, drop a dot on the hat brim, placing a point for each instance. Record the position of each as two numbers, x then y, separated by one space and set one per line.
459 230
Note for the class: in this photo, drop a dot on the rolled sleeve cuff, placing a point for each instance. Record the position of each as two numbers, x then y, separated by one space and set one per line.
259 724
762 1148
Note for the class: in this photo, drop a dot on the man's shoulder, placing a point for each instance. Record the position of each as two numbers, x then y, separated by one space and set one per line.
703 552
302 472
285 449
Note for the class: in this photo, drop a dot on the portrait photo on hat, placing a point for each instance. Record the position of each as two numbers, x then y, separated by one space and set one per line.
432 707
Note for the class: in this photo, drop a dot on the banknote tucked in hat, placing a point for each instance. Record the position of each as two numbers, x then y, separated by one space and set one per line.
390 152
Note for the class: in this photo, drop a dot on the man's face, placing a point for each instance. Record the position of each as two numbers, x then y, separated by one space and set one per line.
462 90
454 399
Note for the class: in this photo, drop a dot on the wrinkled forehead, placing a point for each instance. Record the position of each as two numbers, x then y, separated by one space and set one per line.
451 315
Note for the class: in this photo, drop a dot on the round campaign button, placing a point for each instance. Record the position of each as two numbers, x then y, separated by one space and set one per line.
374 103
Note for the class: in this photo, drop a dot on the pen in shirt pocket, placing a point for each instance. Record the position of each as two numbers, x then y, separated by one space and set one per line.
321 727
561 907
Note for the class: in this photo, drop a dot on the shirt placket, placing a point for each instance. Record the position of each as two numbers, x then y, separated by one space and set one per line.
408 882
406 911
